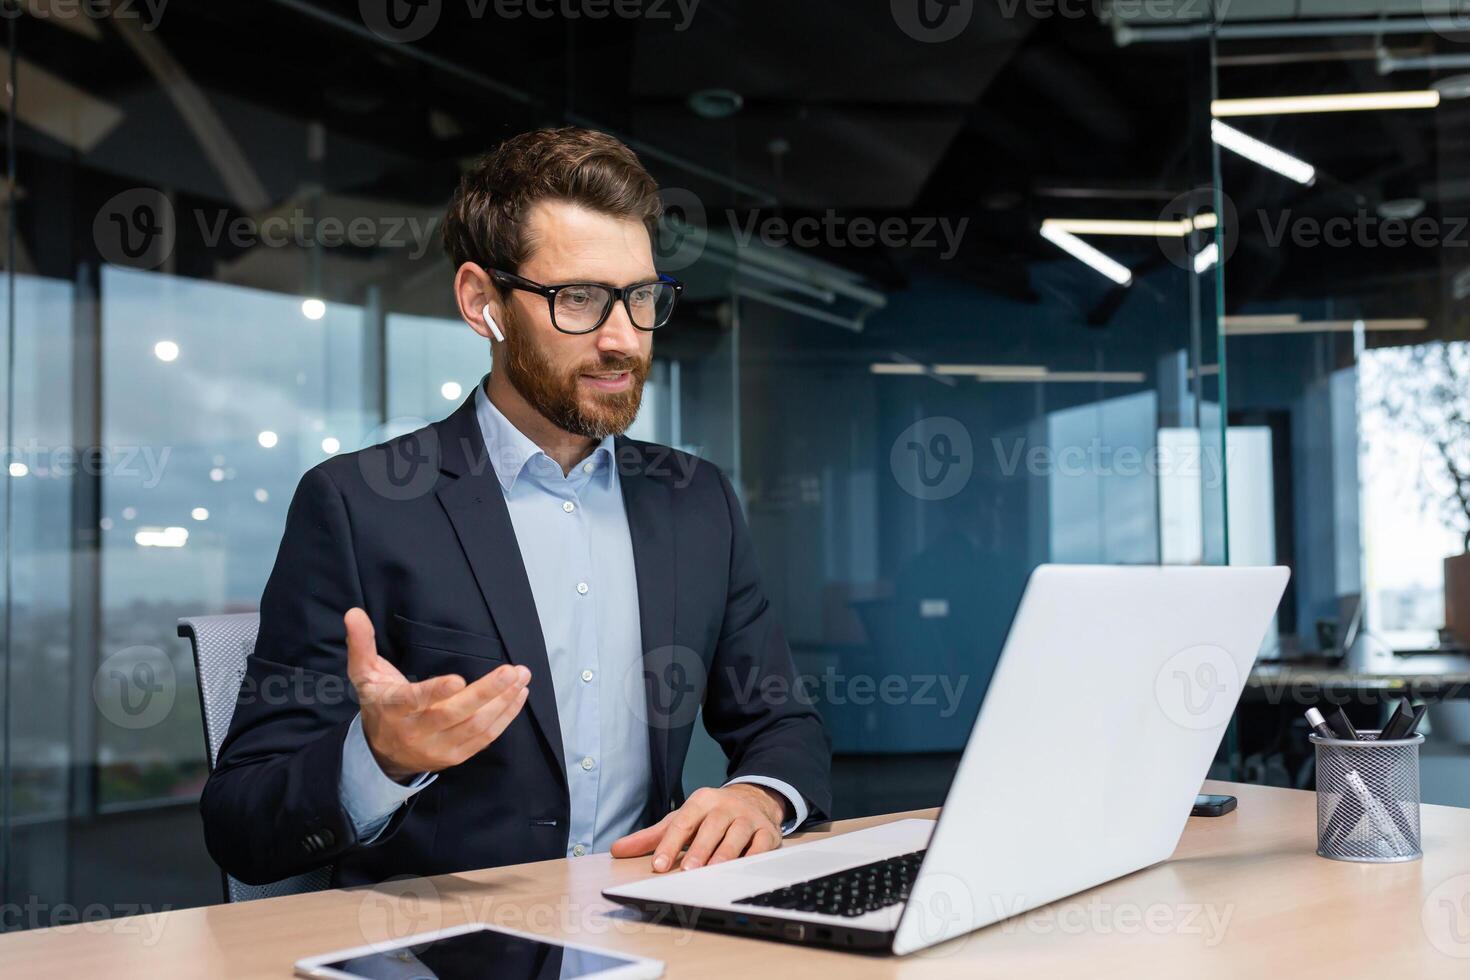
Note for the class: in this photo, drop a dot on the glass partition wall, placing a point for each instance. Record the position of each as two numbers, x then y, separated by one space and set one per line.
1345 333
949 314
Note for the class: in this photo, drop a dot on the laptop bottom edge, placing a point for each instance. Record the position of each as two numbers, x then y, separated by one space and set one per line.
831 936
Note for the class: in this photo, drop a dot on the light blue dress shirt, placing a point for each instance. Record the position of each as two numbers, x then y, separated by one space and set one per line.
578 554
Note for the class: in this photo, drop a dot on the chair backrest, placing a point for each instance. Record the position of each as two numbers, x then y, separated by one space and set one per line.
221 645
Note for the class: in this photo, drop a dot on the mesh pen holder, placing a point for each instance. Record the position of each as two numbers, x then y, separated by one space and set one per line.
1368 798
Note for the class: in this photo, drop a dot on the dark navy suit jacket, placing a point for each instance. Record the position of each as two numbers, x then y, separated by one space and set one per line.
416 532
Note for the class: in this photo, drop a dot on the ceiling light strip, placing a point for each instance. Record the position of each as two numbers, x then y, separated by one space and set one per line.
1086 254
1343 102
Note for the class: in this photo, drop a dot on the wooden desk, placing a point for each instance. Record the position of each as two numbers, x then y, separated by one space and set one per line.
1244 895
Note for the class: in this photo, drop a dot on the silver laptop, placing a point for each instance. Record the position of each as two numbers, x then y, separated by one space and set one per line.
1103 716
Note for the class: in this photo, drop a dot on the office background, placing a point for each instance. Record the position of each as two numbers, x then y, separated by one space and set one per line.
222 266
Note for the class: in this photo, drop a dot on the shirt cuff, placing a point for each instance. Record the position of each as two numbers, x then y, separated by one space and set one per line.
798 805
368 795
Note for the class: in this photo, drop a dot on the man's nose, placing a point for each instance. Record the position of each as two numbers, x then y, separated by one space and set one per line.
618 335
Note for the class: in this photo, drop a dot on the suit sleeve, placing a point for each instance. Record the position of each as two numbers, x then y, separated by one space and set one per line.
768 728
272 806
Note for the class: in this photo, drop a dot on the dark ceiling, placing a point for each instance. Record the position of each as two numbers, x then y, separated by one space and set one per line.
1018 118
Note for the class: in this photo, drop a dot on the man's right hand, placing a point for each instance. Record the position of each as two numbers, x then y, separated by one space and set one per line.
433 724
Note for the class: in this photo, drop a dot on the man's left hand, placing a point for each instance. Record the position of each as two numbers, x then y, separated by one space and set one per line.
715 824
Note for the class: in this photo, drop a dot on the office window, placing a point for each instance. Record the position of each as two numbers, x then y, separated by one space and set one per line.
215 399
1409 521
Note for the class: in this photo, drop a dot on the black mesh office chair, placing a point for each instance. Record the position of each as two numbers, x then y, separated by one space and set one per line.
221 644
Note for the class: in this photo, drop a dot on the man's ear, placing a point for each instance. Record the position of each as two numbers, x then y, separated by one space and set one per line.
479 302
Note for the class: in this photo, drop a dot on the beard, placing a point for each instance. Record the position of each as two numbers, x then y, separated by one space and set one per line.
559 396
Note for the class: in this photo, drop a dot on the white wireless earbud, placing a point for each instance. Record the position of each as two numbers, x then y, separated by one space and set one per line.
490 322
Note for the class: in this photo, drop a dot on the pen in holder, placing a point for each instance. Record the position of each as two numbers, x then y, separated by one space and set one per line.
1368 798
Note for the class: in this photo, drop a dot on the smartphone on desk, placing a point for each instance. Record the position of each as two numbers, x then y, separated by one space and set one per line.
479 951
1211 805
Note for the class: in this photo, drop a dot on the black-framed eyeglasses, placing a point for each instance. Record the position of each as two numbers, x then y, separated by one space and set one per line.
582 307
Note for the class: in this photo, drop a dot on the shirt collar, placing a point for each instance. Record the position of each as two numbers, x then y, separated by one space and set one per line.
511 451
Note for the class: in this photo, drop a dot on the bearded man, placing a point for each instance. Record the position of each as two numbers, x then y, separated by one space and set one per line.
486 642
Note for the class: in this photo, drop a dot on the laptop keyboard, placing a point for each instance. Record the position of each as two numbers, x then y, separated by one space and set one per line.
850 893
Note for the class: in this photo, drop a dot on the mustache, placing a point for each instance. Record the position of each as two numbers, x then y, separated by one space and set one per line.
633 365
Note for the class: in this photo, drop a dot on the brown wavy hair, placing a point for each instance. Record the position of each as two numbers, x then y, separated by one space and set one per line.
486 221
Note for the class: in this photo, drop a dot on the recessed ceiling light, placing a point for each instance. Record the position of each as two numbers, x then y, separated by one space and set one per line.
716 103
1453 87
1401 208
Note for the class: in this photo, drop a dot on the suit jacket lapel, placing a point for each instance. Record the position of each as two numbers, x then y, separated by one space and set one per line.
648 502
476 507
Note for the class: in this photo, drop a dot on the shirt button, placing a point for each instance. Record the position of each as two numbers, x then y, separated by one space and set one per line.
587 467
579 850
581 588
587 763
568 506
586 675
